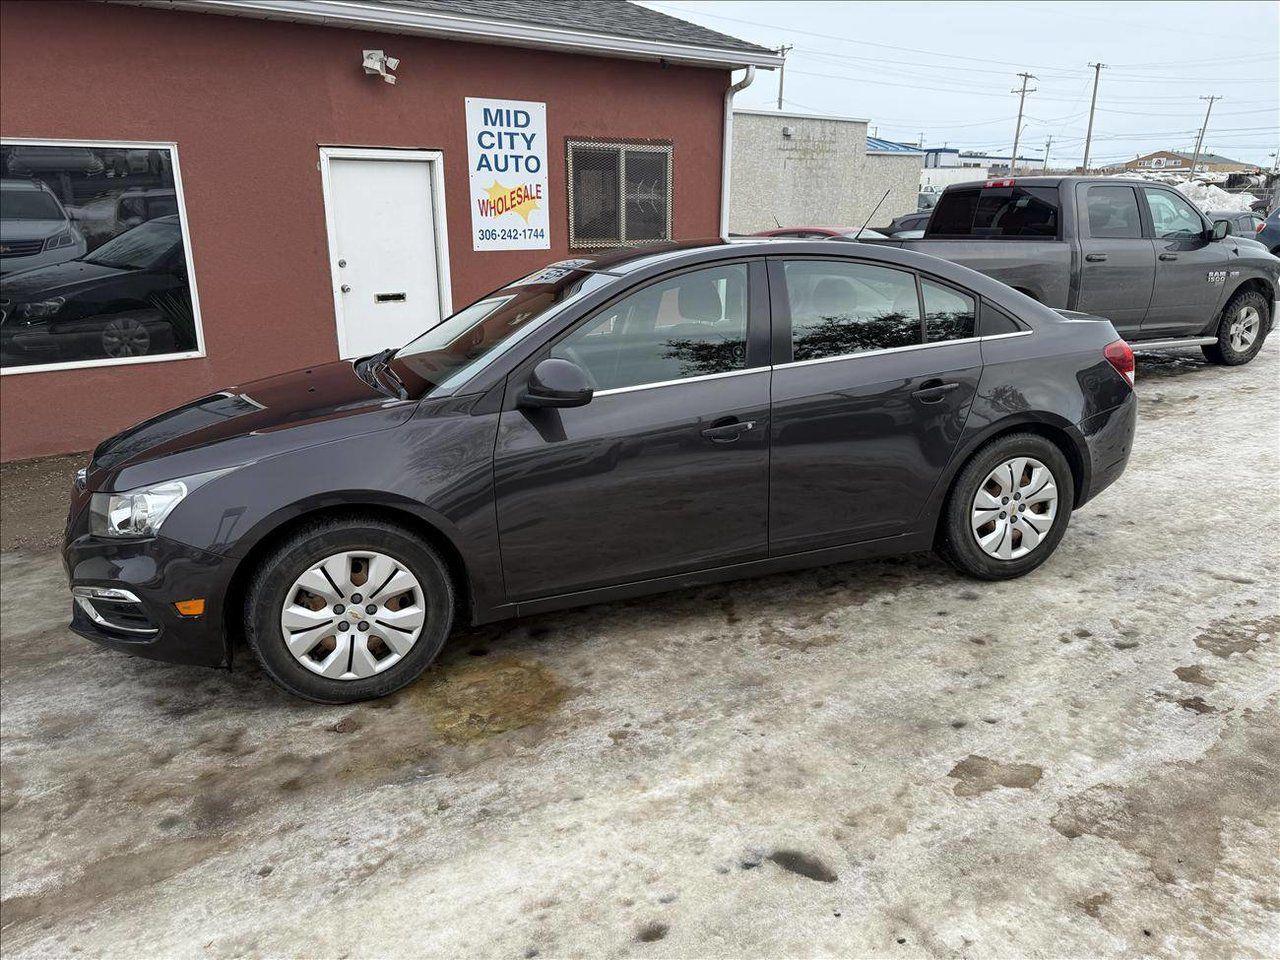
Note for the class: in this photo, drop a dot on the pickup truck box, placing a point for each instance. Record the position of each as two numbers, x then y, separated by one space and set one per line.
1135 252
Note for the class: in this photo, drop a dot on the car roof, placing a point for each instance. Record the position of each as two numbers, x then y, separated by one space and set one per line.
15 183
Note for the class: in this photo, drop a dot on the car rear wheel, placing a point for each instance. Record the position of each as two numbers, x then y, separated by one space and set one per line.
1008 508
1245 323
348 609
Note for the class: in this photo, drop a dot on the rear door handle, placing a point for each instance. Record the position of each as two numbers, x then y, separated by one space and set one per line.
1168 256
728 432
1095 257
931 391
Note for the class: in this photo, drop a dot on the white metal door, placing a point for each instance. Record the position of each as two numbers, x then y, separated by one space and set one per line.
386 245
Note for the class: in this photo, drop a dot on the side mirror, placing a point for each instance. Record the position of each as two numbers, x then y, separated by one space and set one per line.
557 383
1220 229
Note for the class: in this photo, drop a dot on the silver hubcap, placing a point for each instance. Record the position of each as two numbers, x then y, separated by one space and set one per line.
1244 329
352 615
1014 508
125 338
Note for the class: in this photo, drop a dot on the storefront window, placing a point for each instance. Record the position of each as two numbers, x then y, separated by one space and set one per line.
619 193
93 265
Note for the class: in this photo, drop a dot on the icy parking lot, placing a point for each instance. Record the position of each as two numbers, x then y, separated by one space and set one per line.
869 759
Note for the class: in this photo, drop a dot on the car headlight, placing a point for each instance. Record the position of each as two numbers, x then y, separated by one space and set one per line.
64 239
139 513
39 309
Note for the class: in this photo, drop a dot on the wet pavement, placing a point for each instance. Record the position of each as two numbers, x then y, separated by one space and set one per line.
875 759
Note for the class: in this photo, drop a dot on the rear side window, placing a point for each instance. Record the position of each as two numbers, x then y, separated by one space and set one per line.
995 321
840 308
948 314
1113 213
1024 212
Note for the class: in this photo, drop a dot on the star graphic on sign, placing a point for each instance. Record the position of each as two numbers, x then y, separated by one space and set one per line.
524 207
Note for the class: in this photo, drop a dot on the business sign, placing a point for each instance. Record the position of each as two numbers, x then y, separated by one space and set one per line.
507 155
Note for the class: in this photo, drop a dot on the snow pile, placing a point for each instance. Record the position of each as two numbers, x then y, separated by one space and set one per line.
1204 194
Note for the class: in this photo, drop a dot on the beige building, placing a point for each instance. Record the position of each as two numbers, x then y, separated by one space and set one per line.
798 169
1180 161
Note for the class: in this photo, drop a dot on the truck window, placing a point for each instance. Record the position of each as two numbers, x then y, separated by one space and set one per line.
1027 212
1173 217
1113 213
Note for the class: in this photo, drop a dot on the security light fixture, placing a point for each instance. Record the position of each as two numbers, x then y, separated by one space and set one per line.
376 62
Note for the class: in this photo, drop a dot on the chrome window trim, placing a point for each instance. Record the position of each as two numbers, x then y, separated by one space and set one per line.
671 383
913 346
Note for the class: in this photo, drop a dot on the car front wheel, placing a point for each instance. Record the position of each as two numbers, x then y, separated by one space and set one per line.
348 609
1245 323
1008 508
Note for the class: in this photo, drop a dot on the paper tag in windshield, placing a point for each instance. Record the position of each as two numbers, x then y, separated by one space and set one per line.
552 273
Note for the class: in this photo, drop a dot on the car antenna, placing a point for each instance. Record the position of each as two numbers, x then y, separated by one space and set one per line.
870 215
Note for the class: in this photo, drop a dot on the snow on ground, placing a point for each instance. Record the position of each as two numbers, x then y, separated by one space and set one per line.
1200 191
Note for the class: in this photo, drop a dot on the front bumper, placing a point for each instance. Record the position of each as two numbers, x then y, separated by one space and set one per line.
1108 438
124 592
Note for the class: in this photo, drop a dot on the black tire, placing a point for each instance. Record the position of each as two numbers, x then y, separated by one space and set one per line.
1223 352
311 544
957 541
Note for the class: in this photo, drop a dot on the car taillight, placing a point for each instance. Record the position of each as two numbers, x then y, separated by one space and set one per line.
1120 356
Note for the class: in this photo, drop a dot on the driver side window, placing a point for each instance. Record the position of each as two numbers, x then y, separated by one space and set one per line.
689 326
1173 217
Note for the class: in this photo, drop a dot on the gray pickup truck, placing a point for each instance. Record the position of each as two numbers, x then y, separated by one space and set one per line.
1135 252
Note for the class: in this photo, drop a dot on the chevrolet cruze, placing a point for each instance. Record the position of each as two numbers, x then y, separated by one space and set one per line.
603 428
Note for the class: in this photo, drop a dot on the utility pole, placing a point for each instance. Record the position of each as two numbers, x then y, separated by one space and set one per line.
1200 139
1093 105
782 70
1047 144
1017 133
921 139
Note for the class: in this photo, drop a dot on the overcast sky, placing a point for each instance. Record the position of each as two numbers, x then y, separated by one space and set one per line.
946 69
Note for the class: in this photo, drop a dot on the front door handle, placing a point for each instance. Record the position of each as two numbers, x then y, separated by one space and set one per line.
728 432
1095 257
931 391
1168 256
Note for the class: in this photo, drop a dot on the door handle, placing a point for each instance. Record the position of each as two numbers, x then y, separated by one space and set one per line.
1095 257
1168 256
931 391
728 432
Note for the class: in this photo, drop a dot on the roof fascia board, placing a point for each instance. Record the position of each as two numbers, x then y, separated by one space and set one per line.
387 19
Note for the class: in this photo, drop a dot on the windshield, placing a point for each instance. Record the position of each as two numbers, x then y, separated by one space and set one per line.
141 248
28 205
460 345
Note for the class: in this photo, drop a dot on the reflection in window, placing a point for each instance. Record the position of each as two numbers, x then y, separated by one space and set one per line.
92 262
842 308
948 314
692 325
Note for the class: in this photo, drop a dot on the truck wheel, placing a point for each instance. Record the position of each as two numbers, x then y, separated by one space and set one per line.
1244 326
1008 508
347 609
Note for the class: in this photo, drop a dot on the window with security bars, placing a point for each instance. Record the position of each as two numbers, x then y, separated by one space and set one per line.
619 193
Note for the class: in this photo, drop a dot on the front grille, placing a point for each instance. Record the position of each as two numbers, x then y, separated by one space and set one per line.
115 610
20 248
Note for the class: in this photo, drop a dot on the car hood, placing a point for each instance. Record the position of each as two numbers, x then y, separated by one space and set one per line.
244 423
30 229
58 280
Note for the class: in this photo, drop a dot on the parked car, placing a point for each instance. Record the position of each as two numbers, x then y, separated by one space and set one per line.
1136 252
128 298
908 221
822 233
604 428
1239 224
35 228
26 159
1269 235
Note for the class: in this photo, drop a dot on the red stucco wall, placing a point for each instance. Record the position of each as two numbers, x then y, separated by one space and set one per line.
248 102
